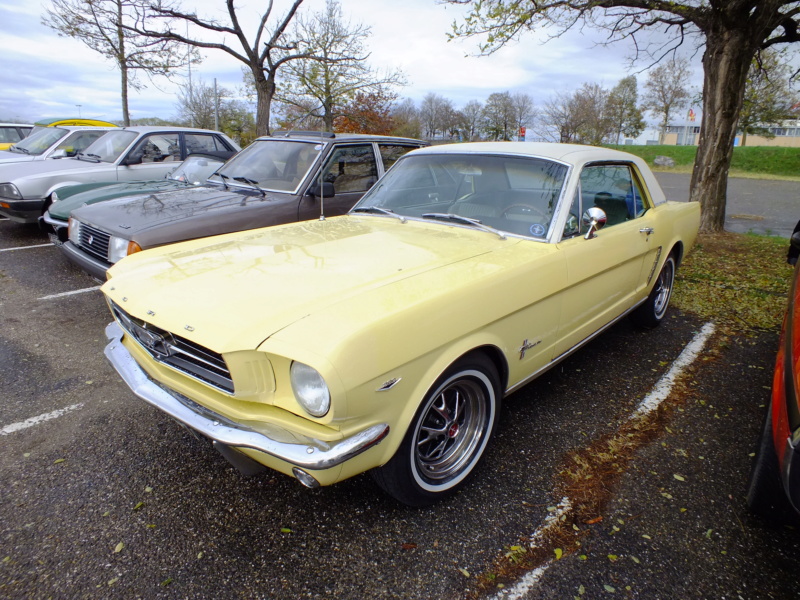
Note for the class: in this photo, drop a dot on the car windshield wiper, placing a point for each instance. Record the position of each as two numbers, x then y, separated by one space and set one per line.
20 150
223 177
251 183
464 220
378 209
90 157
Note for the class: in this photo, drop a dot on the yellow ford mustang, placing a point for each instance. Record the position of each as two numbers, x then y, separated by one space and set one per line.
385 339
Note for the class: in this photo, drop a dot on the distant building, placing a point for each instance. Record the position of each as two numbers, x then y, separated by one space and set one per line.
787 134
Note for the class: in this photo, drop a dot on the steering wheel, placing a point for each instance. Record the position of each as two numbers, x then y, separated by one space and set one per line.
537 212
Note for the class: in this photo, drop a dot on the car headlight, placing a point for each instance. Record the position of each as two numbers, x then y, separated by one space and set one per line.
54 197
310 389
119 248
10 191
74 229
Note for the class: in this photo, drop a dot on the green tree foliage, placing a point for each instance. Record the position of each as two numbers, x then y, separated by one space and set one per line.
623 110
768 96
101 25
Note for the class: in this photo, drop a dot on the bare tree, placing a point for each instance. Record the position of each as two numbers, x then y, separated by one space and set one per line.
562 118
623 110
99 25
768 96
436 114
200 104
471 119
524 111
591 106
337 71
730 31
405 117
268 51
499 116
667 91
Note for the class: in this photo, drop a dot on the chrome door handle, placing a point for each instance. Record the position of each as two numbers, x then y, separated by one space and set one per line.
647 230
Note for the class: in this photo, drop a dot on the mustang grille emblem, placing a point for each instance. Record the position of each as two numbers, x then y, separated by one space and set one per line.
158 345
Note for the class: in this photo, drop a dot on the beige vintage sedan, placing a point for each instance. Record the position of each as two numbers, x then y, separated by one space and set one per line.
385 339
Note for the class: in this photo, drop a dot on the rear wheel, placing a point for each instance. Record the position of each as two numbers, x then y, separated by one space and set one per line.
447 436
652 312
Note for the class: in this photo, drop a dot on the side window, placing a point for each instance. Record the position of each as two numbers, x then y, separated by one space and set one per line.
79 141
160 147
351 169
9 134
391 152
612 188
200 142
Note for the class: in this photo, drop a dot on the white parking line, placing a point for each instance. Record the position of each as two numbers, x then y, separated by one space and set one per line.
40 419
25 247
72 293
658 394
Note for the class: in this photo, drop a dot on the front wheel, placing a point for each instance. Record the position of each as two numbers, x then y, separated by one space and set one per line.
447 436
652 312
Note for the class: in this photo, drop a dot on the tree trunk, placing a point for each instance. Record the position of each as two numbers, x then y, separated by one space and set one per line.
744 137
265 90
725 64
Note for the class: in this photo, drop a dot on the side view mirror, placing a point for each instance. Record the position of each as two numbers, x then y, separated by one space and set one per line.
795 240
61 153
594 219
133 158
325 189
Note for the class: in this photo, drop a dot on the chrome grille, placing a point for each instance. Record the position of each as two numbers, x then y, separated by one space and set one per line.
94 241
179 353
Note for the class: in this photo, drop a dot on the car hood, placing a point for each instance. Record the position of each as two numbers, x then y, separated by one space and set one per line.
7 156
32 168
156 219
234 291
100 192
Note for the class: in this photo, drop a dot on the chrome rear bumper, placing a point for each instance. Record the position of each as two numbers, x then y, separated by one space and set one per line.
301 451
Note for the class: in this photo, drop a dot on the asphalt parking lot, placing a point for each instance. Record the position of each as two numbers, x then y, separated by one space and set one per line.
105 497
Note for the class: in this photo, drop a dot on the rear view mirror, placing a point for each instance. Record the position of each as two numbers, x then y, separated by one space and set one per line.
326 190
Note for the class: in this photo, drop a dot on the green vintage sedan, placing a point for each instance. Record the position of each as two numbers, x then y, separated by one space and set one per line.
384 340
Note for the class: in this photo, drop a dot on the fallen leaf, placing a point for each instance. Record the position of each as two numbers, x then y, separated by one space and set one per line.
636 560
113 581
148 489
593 521
59 460
118 548
464 572
166 582
613 557
708 533
199 555
408 546
609 589
679 477
138 506
647 537
559 553
285 530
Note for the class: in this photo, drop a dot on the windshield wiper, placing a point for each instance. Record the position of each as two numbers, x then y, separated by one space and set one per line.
378 209
21 150
464 220
223 177
91 157
251 183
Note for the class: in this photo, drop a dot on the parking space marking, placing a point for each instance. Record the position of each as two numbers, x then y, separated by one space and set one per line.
72 293
25 247
657 395
39 419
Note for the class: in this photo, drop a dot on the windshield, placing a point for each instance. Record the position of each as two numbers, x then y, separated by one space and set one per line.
512 194
39 141
275 165
109 147
196 169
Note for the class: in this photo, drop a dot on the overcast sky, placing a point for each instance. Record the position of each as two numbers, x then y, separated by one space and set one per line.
44 75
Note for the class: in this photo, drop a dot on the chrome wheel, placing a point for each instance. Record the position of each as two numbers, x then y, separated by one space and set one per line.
448 435
452 427
663 289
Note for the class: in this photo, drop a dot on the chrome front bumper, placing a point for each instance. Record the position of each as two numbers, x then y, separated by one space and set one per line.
302 451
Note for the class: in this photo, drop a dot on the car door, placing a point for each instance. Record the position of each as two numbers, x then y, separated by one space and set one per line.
352 169
606 275
151 157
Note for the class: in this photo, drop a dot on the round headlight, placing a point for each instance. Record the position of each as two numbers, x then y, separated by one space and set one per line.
310 389
74 231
